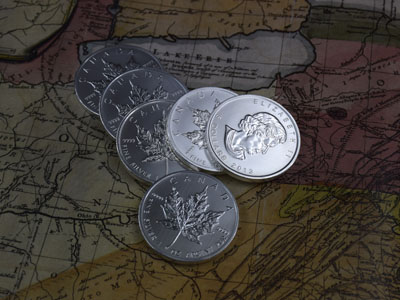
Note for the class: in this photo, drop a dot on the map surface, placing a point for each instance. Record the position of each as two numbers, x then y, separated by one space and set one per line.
329 228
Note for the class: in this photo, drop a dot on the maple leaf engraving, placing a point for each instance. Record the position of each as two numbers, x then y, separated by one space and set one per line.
139 95
123 109
159 93
131 64
197 137
155 143
99 85
111 70
189 216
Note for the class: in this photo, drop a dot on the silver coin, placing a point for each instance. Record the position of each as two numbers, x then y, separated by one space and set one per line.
186 126
188 216
253 137
100 68
133 88
142 142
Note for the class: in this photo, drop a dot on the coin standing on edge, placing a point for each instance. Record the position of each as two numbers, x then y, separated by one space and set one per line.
135 87
100 68
187 123
142 142
254 138
188 216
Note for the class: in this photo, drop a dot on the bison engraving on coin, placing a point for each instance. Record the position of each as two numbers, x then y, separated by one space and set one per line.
258 133
189 217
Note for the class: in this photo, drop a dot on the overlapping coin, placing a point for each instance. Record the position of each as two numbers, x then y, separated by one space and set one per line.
187 124
254 138
188 216
161 129
100 68
133 88
142 142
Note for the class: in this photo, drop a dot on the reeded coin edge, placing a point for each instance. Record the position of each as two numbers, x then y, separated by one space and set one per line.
242 176
203 258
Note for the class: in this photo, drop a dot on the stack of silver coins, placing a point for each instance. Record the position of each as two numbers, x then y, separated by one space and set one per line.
168 136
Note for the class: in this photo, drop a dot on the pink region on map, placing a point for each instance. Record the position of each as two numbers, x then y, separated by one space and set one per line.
59 61
345 105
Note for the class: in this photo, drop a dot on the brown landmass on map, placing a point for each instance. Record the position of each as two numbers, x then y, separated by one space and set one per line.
24 26
292 241
56 60
208 19
345 104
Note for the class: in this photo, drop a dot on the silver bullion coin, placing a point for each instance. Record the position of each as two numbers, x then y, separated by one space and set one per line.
142 142
253 137
188 216
135 87
100 68
187 123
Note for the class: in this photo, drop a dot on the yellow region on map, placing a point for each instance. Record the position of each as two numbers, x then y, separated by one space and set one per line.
208 18
290 238
25 25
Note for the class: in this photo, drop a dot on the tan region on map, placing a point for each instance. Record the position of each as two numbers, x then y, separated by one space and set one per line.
291 240
24 25
208 18
64 193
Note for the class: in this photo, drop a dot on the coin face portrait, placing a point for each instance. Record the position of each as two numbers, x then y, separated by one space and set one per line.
258 133
254 138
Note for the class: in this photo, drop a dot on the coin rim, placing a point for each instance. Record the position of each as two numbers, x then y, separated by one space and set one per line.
102 118
204 258
99 51
177 150
242 176
121 157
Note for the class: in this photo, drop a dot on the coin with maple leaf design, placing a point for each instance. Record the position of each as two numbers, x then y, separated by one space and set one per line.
188 216
133 88
142 142
100 68
186 126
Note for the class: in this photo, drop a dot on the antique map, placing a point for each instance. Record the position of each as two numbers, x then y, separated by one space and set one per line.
329 228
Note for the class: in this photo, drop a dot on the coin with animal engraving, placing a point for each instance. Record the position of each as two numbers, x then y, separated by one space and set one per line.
142 142
186 126
100 68
254 138
188 216
135 87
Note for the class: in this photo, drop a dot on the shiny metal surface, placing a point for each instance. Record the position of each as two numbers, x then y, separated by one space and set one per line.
142 142
254 138
187 123
133 88
100 68
188 216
